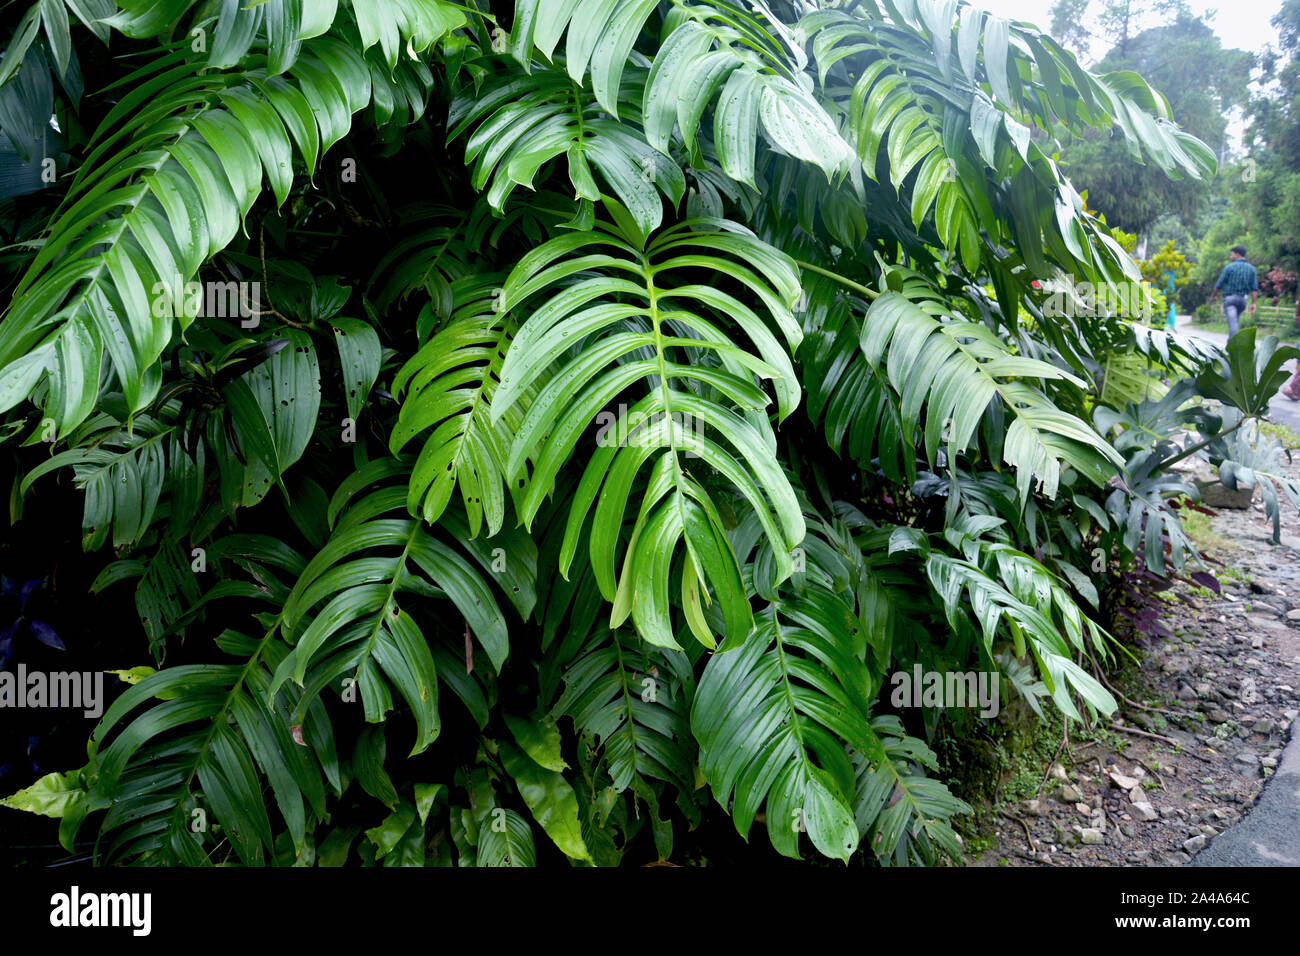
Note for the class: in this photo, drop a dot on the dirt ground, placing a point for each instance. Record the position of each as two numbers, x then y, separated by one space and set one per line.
1205 723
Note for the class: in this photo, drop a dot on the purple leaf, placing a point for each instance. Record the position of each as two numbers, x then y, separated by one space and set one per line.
46 635
1206 580
26 590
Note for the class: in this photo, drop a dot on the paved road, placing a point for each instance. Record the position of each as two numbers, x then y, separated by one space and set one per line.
1270 834
1280 409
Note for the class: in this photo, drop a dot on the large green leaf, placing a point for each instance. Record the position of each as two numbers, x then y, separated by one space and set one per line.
645 324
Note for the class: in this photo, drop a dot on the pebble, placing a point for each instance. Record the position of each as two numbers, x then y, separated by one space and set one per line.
1124 782
1146 813
1195 844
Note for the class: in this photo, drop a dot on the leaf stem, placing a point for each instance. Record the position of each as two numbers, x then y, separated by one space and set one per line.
1199 445
849 283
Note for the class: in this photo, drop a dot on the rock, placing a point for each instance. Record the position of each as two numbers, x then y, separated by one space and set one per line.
1216 495
1033 808
1084 809
1137 795
1129 830
1195 844
1262 623
1269 762
1070 794
1137 856
1145 721
1058 772
1263 727
1208 830
1146 813
1123 782
1090 836
1247 757
1217 715
1293 614
1185 692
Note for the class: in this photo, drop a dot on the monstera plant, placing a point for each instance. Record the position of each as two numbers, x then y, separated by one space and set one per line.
537 432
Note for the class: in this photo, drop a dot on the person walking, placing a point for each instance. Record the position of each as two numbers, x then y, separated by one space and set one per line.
1236 280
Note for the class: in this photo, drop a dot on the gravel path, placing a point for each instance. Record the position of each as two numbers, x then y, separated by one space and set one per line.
1197 766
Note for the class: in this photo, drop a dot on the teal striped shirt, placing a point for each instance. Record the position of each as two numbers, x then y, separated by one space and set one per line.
1238 278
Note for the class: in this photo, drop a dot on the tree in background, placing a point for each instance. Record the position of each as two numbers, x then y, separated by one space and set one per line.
1254 201
1201 79
1269 195
1069 25
1117 20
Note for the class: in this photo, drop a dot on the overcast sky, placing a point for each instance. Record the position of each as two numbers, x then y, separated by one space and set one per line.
1243 24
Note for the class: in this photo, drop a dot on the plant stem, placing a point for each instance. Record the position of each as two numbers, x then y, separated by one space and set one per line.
1199 445
861 289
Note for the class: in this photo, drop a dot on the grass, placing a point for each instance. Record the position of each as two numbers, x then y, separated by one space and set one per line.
1282 433
1277 319
1236 575
1201 531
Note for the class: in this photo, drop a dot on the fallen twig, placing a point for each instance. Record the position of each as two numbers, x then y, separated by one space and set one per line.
1133 703
1048 771
1163 739
1028 836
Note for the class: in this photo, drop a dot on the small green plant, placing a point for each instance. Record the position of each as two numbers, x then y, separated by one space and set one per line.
1283 433
1201 530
